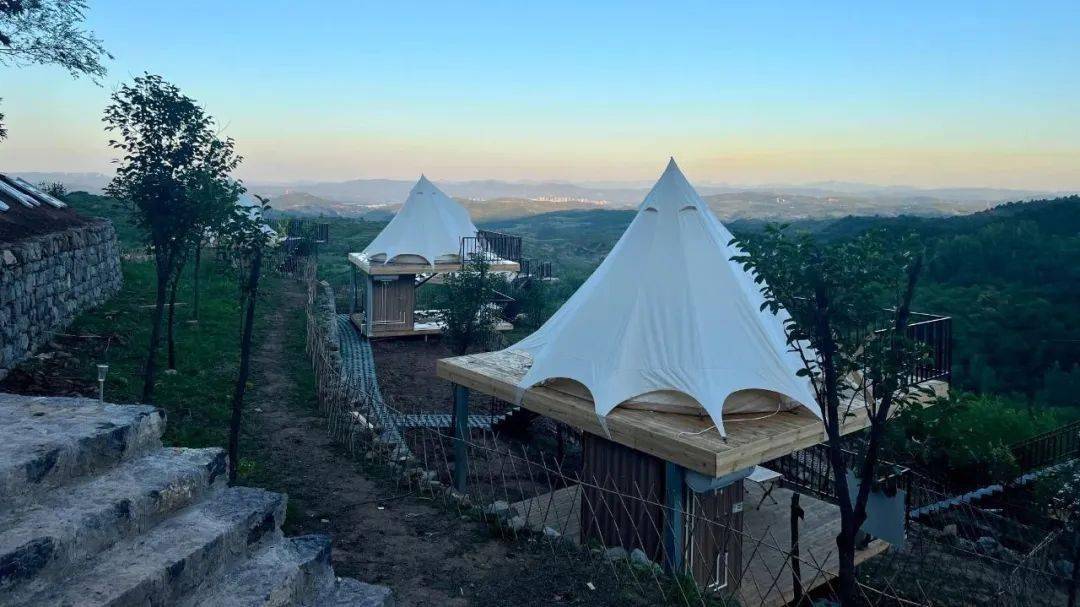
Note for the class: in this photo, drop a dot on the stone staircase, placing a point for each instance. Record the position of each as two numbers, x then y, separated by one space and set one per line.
94 511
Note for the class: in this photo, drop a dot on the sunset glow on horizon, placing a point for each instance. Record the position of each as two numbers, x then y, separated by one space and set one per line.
980 95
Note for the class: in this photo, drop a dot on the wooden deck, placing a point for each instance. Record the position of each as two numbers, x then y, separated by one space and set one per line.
419 328
682 439
366 266
766 578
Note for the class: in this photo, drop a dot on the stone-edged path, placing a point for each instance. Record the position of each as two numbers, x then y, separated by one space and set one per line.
425 553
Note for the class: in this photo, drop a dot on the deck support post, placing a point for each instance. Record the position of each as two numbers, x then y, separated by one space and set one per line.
369 305
355 288
461 432
675 517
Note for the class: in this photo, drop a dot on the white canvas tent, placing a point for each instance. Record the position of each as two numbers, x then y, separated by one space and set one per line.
245 202
668 319
427 229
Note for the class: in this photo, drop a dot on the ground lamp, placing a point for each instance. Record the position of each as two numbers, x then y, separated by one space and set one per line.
102 371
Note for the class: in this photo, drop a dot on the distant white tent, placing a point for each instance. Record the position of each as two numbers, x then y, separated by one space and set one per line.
668 319
253 207
427 229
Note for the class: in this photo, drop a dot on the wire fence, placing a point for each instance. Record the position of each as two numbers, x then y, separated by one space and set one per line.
603 511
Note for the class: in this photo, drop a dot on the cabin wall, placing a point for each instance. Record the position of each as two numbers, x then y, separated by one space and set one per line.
609 471
712 527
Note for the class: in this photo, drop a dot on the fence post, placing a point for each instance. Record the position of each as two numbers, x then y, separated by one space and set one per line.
461 432
675 513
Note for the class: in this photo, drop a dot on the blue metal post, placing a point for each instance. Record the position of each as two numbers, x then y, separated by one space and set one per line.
461 432
674 517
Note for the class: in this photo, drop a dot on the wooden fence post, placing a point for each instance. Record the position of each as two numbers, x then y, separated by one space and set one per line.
461 433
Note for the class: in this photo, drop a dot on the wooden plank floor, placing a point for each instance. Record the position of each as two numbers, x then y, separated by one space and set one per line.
766 578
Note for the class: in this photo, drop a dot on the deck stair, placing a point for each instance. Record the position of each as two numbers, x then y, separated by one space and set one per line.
973 496
95 511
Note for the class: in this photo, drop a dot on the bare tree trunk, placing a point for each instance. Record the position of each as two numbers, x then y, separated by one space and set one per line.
245 366
150 371
195 278
796 565
171 337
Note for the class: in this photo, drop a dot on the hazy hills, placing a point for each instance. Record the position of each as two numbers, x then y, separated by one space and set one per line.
491 200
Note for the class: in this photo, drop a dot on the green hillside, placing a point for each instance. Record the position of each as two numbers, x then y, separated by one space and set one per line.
1009 276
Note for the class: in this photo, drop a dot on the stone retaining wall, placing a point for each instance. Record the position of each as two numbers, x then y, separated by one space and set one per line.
45 281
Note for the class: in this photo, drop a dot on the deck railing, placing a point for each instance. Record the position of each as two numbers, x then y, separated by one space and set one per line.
809 471
497 244
934 334
531 268
1053 447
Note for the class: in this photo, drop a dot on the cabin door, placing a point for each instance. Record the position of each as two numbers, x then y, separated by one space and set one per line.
392 301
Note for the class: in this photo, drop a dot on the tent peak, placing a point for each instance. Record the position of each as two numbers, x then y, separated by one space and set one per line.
672 192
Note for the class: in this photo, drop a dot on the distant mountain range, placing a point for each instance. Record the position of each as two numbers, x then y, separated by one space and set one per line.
490 200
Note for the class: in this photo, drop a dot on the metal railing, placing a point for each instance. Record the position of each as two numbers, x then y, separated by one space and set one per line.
491 244
934 333
531 268
1054 447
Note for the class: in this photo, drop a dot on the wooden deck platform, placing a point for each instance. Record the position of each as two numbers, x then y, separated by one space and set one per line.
682 439
370 268
419 328
766 578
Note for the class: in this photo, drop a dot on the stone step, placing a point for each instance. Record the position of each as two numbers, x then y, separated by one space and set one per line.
48 441
292 571
170 560
348 592
42 534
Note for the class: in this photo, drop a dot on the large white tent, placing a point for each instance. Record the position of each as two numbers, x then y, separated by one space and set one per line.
669 318
428 227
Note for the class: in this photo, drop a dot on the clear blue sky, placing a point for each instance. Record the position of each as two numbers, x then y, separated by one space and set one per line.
922 94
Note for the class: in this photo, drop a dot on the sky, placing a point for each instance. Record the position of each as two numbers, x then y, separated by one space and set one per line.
984 94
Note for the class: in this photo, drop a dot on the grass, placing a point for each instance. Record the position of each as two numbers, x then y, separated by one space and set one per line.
195 398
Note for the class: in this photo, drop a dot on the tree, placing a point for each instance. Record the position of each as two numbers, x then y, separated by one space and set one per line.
49 32
170 156
248 236
830 298
212 202
56 189
465 306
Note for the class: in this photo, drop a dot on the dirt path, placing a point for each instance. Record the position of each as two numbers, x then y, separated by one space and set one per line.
426 554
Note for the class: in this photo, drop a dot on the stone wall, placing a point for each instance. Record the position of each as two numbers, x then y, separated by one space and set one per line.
45 281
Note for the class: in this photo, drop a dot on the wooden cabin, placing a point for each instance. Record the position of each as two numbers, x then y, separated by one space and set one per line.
389 293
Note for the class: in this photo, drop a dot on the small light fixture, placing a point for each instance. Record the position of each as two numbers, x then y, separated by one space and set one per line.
102 370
